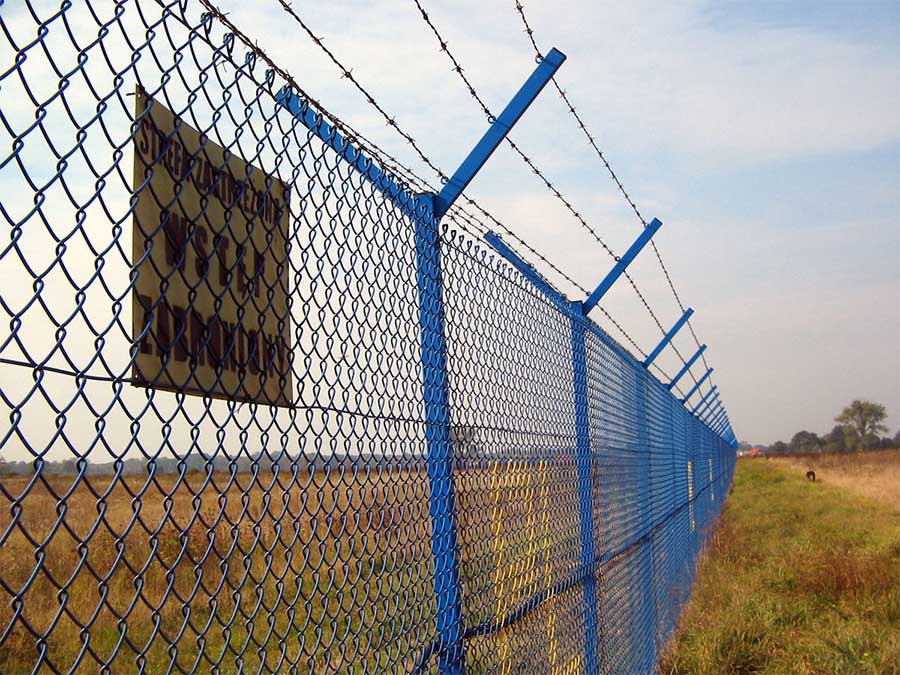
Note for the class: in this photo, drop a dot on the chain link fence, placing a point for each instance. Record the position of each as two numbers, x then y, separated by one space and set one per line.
265 414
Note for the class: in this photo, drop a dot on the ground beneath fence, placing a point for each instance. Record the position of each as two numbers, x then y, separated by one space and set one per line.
800 577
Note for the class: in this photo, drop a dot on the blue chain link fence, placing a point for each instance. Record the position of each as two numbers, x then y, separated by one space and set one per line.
268 414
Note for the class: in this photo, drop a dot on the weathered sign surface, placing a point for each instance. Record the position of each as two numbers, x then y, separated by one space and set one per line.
210 251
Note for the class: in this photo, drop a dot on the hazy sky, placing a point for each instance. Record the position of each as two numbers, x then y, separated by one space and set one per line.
765 136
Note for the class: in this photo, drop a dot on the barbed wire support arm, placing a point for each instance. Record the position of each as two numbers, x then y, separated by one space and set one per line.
498 130
710 409
704 399
668 337
720 421
621 265
686 367
697 386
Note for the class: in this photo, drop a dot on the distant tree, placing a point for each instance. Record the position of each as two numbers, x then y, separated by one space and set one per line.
778 448
836 439
862 418
887 443
897 440
805 442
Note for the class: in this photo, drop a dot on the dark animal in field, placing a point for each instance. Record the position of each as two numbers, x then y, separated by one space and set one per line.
811 475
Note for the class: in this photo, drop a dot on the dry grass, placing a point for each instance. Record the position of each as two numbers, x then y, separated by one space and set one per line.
799 577
332 571
873 473
269 568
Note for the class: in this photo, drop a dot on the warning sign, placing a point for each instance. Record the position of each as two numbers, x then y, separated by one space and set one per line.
210 251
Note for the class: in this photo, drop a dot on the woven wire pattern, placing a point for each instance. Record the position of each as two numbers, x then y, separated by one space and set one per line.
154 526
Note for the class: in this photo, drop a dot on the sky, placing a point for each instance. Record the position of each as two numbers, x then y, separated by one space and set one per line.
765 136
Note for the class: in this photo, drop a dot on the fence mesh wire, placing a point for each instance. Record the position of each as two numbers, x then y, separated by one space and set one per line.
219 455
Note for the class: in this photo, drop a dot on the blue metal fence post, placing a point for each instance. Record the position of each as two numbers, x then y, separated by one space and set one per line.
444 544
643 451
585 491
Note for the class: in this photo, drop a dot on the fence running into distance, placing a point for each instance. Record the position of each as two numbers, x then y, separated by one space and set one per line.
276 416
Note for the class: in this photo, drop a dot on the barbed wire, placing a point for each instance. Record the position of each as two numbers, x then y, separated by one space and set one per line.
458 69
395 164
591 139
391 162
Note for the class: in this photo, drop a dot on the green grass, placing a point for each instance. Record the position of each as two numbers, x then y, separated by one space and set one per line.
799 577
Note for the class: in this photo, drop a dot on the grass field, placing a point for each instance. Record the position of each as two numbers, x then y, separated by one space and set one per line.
799 577
241 570
874 474
329 570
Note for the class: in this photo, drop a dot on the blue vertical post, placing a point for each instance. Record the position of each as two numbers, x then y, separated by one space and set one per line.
585 488
648 574
444 545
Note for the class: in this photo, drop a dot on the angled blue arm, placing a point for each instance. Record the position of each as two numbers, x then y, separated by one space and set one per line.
668 337
717 419
697 386
687 367
704 399
713 412
623 262
722 426
711 405
498 130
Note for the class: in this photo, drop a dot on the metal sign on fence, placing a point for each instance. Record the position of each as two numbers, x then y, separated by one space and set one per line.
210 239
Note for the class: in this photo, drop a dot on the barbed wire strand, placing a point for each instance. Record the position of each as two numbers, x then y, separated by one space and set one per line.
457 68
615 178
390 160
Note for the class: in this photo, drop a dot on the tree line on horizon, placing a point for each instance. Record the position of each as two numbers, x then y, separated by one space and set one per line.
860 426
